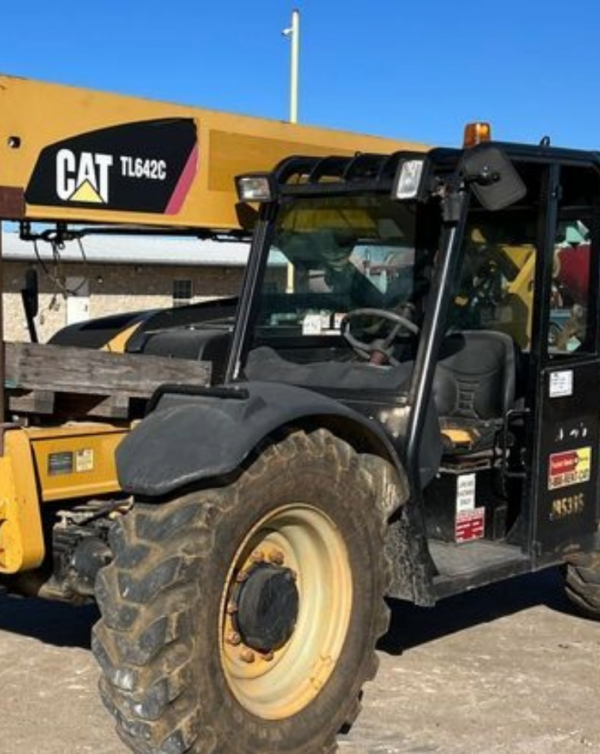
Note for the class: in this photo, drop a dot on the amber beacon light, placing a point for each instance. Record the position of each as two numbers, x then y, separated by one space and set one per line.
476 133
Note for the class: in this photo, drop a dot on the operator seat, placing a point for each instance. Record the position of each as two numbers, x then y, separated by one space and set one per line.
475 384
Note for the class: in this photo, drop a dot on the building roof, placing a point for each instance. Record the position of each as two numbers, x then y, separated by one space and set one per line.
155 250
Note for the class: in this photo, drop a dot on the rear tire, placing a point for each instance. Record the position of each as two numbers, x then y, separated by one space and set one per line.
244 619
582 583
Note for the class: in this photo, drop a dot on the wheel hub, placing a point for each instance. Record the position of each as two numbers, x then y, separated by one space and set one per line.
267 607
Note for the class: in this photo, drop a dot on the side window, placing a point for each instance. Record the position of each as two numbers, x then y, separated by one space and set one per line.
570 294
494 287
573 298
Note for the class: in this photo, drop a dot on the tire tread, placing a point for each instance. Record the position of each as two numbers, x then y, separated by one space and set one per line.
144 640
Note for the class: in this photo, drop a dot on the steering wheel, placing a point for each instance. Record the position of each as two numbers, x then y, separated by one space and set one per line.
379 350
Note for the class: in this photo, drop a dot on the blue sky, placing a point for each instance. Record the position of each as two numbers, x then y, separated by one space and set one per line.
416 70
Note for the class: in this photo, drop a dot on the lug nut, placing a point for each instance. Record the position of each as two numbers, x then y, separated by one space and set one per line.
247 655
268 656
241 577
233 638
231 607
257 556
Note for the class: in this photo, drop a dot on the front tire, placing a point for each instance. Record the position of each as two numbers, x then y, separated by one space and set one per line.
244 619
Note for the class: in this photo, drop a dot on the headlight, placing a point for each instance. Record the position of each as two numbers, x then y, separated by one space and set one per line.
408 180
257 187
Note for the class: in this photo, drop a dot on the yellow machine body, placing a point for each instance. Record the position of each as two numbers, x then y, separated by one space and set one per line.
40 466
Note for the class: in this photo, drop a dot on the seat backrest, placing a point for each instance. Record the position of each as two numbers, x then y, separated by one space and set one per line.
476 375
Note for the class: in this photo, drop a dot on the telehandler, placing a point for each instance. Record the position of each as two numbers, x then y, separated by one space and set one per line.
394 419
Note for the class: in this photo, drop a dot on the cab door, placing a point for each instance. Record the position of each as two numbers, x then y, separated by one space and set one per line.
566 437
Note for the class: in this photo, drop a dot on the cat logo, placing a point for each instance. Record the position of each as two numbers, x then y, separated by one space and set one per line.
146 166
83 177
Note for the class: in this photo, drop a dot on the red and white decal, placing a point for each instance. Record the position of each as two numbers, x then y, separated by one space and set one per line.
569 467
470 525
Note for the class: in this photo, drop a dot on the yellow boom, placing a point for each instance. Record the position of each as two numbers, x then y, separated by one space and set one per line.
75 155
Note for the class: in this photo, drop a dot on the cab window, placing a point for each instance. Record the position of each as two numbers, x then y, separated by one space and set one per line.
572 306
495 283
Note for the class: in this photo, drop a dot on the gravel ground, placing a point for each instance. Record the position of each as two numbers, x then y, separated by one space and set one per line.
504 670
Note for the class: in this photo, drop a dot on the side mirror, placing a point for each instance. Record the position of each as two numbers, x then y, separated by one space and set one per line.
492 176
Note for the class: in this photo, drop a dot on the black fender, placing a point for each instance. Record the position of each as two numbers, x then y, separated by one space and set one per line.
193 435
189 438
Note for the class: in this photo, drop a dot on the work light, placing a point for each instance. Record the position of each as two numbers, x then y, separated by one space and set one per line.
408 180
255 187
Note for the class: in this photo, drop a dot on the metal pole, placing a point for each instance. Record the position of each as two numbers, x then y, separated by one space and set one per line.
294 66
294 33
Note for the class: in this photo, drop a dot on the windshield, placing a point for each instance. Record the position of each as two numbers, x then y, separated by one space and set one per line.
332 255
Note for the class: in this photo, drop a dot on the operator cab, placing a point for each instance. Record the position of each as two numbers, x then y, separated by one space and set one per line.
370 300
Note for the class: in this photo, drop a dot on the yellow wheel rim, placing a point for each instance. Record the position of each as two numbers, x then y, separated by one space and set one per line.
277 684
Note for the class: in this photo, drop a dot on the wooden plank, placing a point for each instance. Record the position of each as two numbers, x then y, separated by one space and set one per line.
32 402
67 406
2 368
33 366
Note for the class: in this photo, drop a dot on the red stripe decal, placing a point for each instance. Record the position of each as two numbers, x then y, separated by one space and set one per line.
183 184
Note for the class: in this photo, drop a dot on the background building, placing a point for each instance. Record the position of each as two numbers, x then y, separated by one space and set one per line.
108 274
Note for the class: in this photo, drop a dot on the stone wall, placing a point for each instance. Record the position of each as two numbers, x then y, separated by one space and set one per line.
112 289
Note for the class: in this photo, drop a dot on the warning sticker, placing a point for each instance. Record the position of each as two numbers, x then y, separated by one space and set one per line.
561 383
569 467
470 525
311 324
465 493
84 460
